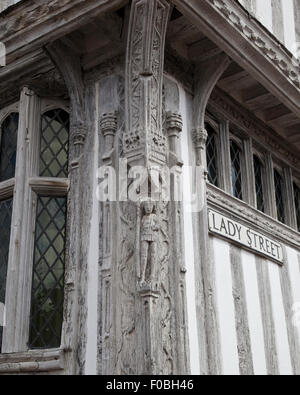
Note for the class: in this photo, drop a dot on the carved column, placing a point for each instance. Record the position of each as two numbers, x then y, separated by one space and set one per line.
174 128
207 75
108 129
108 126
74 331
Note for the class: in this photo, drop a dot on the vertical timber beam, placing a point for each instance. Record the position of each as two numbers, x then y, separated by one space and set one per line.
207 75
73 337
146 144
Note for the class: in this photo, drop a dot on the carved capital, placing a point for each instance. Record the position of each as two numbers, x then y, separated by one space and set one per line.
109 124
78 137
200 138
109 127
174 124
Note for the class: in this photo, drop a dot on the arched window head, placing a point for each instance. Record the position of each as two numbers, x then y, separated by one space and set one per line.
8 146
236 170
212 155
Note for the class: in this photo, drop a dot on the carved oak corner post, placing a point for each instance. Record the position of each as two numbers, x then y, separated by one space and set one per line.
207 75
146 144
73 338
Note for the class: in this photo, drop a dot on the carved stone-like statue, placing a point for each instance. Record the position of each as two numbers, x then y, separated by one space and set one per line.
149 242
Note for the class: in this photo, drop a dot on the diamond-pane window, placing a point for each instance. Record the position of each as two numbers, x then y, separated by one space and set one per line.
8 146
279 196
297 204
258 171
54 144
48 273
5 226
211 155
236 170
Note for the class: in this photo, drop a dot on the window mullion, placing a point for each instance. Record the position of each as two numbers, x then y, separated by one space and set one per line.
22 238
9 344
290 207
225 161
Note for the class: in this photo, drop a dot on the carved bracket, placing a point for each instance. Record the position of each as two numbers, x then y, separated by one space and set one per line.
144 70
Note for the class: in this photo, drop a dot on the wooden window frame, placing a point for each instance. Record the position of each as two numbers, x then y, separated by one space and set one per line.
26 186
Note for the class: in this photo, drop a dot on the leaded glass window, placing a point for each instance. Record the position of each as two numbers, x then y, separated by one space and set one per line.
297 204
8 146
48 273
211 154
5 226
236 170
50 236
54 144
258 171
279 196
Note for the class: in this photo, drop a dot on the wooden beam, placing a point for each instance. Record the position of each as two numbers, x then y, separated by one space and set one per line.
202 50
34 24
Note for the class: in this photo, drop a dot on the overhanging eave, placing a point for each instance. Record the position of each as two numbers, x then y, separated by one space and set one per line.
249 44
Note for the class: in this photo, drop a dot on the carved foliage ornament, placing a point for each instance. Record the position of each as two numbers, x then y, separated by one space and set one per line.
290 68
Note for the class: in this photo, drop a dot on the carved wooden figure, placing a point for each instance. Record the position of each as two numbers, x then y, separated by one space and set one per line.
149 241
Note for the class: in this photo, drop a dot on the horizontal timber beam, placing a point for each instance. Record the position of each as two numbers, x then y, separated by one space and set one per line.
34 24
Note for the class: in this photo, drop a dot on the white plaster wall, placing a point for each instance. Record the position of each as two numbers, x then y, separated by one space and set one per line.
282 309
294 276
6 3
254 313
289 27
263 12
225 308
282 343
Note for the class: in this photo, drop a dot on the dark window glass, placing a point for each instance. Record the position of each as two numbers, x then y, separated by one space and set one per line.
5 225
258 171
8 146
48 273
279 196
236 170
211 154
54 144
297 203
